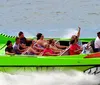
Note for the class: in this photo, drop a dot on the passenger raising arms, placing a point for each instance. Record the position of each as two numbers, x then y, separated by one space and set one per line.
77 37
74 48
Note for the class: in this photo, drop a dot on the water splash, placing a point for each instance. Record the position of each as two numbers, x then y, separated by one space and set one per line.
28 35
69 32
49 78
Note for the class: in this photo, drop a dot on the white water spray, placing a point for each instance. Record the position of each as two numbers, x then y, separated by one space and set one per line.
49 78
69 32
28 34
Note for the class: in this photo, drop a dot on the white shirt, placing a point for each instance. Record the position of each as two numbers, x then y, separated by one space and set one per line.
16 48
97 43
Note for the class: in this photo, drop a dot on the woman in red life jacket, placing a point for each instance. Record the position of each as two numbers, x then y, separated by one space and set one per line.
74 48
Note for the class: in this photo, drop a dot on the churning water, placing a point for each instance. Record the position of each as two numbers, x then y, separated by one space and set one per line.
49 78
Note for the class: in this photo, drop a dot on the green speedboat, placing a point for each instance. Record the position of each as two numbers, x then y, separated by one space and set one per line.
40 63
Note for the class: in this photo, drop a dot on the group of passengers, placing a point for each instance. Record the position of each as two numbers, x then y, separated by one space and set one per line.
76 47
34 47
49 47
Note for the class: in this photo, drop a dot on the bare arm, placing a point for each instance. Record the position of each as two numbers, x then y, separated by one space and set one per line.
79 30
18 49
49 54
55 49
78 51
60 46
8 53
33 51
37 48
23 46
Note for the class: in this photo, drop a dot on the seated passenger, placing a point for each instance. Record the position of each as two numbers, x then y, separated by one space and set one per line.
9 49
93 49
97 42
16 46
28 50
36 46
87 48
74 48
23 40
48 52
54 45
40 40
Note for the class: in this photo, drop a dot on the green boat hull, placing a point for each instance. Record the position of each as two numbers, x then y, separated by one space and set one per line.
40 63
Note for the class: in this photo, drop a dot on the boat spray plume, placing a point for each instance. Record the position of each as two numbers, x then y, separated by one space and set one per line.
69 32
49 78
28 34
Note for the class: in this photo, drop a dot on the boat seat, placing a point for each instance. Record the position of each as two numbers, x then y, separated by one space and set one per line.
64 43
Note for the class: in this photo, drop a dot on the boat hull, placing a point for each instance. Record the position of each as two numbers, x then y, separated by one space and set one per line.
37 63
43 68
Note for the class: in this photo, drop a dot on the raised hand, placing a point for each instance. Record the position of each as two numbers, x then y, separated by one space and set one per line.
79 28
78 34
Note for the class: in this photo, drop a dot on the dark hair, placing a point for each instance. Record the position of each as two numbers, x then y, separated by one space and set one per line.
98 33
20 33
39 36
17 38
50 41
72 41
8 42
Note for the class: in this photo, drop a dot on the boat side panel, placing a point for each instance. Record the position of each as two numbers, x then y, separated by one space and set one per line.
46 61
35 69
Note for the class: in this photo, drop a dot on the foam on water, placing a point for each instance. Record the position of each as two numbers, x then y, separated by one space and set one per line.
49 78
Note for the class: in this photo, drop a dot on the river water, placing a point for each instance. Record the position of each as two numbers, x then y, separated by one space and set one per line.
54 18
49 78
